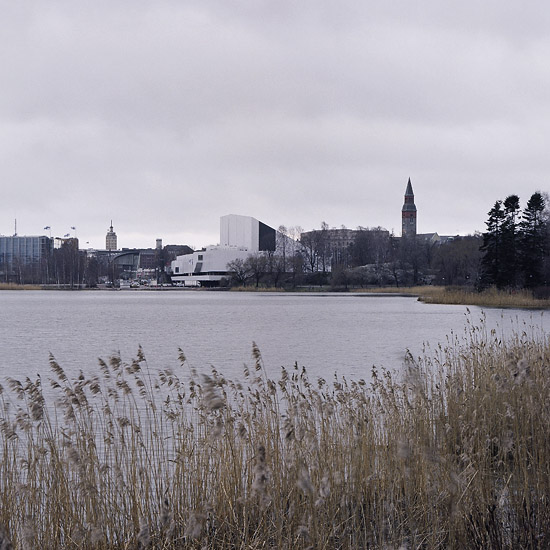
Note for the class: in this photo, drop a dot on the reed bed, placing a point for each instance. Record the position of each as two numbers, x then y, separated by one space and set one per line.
260 288
15 286
455 454
490 297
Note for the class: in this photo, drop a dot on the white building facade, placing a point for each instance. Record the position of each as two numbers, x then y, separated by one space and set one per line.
246 232
206 267
240 236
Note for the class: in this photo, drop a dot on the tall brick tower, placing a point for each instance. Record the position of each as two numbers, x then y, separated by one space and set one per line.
408 213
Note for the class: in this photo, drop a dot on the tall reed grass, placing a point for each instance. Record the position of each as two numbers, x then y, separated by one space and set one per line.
456 454
490 297
15 286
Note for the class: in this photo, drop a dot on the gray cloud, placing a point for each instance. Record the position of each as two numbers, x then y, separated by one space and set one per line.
164 116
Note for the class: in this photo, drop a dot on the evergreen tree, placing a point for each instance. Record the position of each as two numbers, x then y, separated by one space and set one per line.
509 248
533 241
491 263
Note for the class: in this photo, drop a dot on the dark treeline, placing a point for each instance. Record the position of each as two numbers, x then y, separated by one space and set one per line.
515 246
70 267
66 265
513 253
373 258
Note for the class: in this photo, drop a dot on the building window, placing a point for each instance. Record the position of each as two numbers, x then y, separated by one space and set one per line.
200 257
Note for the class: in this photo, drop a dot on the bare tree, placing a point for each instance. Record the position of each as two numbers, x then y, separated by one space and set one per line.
238 271
309 249
282 244
256 266
323 250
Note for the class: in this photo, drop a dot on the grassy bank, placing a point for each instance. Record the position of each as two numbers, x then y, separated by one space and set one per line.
13 286
454 456
463 296
253 288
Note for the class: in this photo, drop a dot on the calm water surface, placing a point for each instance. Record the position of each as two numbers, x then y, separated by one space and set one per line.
326 333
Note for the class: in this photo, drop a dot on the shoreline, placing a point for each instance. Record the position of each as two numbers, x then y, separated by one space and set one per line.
521 299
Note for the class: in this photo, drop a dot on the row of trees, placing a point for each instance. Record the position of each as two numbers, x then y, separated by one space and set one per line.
283 267
66 265
515 246
69 266
513 253
374 257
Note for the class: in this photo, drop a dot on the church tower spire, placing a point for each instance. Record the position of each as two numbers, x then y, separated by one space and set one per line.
408 213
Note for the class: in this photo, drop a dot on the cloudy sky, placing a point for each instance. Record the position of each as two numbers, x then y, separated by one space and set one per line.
164 115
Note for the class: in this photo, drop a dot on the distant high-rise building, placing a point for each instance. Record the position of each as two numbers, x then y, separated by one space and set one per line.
25 250
408 213
110 239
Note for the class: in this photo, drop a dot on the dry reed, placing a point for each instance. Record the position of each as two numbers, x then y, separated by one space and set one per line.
455 454
16 286
490 297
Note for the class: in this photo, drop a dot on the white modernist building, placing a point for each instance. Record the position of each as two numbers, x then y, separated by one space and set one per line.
240 236
246 232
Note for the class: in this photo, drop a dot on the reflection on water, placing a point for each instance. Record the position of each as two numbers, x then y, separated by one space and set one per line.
326 333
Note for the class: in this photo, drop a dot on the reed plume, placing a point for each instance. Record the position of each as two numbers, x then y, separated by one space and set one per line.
452 454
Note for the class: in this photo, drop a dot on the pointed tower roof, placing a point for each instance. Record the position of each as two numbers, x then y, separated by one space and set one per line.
409 191
408 205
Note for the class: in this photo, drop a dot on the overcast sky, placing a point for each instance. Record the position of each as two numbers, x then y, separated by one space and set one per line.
165 115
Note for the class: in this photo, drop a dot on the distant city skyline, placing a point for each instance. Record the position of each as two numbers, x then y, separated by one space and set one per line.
111 235
165 116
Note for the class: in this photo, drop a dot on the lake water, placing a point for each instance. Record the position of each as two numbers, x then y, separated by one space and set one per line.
326 333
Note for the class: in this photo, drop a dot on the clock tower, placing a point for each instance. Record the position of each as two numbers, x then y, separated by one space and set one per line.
408 213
